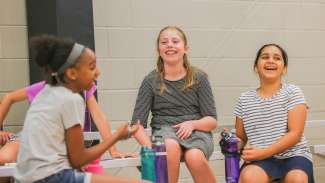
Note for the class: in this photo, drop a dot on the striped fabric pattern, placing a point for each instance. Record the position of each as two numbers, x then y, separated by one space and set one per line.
265 119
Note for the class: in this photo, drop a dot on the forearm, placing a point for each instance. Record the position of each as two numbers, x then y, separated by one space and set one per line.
100 120
142 137
105 131
284 143
296 124
205 124
8 100
4 107
92 153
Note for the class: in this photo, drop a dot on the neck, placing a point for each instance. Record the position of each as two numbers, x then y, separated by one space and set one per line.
71 87
268 89
174 72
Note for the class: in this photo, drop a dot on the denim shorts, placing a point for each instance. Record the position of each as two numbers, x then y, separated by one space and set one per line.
67 176
278 168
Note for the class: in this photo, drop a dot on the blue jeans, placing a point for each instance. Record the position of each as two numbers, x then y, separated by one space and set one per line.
67 176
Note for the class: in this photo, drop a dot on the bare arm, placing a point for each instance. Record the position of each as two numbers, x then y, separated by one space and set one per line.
296 124
142 137
240 132
100 120
80 156
205 124
8 100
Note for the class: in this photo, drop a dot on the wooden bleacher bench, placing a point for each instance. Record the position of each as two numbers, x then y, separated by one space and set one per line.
8 169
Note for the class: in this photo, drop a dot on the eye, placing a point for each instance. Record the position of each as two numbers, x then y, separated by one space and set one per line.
93 66
264 57
175 41
277 58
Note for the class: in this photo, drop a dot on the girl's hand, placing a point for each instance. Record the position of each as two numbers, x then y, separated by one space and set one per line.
251 153
4 137
124 131
185 129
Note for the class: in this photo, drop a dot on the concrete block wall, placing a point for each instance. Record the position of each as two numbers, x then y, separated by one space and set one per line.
13 57
224 36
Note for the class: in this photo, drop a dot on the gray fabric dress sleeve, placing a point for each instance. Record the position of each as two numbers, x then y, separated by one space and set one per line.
143 103
206 100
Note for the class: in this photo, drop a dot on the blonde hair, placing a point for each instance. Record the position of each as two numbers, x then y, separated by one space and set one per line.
189 78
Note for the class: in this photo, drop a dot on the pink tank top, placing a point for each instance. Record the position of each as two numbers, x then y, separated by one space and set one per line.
34 89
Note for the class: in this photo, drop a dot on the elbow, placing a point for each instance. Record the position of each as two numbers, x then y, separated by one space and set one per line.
296 136
214 123
7 99
75 163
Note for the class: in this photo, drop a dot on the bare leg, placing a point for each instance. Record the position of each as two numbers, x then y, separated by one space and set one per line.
174 153
253 173
198 166
95 178
296 176
9 152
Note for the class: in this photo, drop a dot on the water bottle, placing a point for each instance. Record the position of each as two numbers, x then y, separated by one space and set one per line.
147 164
161 159
229 148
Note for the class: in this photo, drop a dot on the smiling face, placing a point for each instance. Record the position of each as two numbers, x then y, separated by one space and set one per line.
86 70
171 46
270 64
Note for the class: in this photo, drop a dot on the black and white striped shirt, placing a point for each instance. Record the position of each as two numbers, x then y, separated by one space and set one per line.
266 120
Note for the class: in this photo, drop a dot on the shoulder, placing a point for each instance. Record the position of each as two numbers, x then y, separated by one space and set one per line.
36 87
66 95
151 75
91 91
291 87
247 95
199 74
200 77
150 78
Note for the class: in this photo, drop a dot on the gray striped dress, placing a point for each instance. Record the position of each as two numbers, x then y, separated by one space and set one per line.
266 120
175 106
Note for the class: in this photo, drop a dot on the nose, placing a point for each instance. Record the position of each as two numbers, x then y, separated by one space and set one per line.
169 44
97 73
271 60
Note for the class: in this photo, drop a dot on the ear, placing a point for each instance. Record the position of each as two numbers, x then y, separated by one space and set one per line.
71 73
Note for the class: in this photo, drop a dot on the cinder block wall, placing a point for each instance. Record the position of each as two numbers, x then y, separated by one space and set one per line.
13 57
224 36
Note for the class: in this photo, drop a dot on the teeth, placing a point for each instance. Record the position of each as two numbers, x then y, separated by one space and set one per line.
170 52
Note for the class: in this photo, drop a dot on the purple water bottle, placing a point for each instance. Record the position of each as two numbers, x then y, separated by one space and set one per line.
229 148
161 160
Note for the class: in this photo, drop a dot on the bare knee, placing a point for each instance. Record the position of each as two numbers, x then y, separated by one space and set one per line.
195 158
9 152
253 173
296 176
173 149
